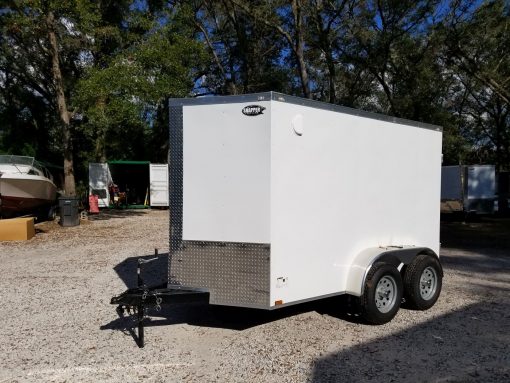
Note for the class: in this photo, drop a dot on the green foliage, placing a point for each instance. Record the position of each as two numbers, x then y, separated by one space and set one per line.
120 98
476 50
119 64
245 55
442 62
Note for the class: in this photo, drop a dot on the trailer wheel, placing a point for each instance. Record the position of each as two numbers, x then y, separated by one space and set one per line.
382 294
52 213
45 213
423 282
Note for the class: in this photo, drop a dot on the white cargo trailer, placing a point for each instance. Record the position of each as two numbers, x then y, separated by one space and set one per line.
471 189
277 200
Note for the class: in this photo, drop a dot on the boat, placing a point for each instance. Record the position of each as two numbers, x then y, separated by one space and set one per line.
26 186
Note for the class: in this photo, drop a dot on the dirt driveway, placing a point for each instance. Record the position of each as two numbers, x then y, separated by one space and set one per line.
57 323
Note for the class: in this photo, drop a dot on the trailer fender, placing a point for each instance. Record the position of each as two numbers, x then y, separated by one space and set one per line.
393 255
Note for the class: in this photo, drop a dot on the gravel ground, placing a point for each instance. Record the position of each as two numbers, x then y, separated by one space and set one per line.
58 326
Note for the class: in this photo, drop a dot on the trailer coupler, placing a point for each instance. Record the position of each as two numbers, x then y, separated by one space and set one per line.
138 300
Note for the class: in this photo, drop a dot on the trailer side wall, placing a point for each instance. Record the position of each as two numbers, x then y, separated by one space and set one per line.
346 184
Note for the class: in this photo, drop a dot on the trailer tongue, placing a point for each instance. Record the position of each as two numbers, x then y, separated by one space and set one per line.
137 300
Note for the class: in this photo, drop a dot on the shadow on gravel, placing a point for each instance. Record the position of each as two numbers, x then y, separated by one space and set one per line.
489 232
480 263
153 273
226 317
107 214
234 318
433 350
485 246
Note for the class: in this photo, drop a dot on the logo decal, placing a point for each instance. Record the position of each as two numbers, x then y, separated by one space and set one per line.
253 110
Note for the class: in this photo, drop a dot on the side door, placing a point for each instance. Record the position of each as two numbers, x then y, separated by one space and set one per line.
99 181
159 185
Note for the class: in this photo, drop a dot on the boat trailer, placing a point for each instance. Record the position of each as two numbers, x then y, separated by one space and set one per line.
139 299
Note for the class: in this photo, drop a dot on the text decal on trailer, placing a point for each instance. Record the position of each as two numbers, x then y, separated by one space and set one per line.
253 110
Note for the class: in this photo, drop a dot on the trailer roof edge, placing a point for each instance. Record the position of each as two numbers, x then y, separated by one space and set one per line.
281 97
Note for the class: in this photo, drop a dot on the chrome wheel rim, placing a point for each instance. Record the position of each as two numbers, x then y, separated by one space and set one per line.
428 283
386 294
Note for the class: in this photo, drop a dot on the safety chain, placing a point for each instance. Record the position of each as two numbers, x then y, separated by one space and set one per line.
158 303
145 294
144 297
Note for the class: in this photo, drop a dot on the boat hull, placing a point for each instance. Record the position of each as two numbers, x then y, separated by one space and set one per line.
22 193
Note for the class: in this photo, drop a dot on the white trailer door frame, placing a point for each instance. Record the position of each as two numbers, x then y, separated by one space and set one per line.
159 185
99 181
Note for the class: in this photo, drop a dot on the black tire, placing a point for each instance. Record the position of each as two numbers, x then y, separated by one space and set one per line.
46 213
52 213
423 294
382 293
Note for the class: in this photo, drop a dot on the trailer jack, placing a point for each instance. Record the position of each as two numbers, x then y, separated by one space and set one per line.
138 300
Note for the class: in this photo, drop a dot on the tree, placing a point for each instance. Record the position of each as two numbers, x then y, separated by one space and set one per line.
58 84
100 72
244 53
476 42
392 40
328 24
121 96
478 46
288 20
42 42
96 74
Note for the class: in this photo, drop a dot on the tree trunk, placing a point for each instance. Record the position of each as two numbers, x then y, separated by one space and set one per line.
387 92
332 76
299 47
69 183
296 41
325 46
